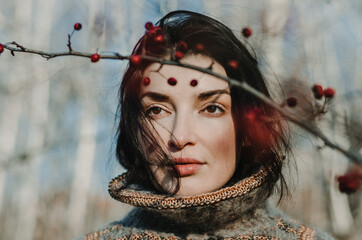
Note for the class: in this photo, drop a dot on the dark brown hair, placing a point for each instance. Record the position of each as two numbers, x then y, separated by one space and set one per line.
260 138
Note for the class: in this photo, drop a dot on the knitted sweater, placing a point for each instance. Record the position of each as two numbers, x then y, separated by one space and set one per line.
235 212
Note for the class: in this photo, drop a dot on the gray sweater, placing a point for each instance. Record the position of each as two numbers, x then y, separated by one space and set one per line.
235 212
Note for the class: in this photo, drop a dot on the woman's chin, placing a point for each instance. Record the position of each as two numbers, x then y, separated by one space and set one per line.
190 186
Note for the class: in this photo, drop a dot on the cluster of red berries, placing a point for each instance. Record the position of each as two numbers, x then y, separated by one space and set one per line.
154 32
1 48
351 181
247 32
319 92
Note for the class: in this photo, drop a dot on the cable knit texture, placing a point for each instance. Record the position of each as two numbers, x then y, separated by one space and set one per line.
234 212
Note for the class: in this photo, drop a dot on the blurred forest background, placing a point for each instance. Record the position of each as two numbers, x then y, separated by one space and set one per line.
57 117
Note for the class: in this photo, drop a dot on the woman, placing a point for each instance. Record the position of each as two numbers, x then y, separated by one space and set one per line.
202 156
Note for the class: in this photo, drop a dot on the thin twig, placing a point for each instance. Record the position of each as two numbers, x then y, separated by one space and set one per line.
69 45
49 55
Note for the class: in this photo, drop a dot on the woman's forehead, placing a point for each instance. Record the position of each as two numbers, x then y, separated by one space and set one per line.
184 79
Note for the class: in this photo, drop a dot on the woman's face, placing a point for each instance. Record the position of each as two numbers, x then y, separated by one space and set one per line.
194 124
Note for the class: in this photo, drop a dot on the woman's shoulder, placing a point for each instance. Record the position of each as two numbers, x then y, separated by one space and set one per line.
280 227
288 225
109 231
119 231
132 226
266 223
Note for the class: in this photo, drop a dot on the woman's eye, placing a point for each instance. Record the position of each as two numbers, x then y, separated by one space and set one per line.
154 111
214 110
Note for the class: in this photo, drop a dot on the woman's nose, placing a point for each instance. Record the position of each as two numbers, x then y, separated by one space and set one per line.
182 134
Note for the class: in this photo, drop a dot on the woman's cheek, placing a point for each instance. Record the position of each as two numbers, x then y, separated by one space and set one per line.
222 139
163 127
218 128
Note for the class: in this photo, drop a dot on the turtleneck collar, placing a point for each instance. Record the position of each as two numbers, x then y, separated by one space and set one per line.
202 212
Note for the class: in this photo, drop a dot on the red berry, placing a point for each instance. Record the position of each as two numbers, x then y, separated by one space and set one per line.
347 184
247 32
148 25
172 81
136 59
318 91
351 181
253 114
233 63
329 92
95 57
292 102
1 48
146 81
317 88
199 47
193 82
77 26
182 46
179 55
158 38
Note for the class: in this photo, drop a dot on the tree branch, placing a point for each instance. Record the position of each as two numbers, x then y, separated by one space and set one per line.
353 156
49 55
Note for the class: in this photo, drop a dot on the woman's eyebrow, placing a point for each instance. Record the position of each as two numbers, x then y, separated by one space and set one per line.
156 96
208 94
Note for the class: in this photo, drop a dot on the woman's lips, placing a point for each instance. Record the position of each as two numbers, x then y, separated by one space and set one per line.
187 169
187 166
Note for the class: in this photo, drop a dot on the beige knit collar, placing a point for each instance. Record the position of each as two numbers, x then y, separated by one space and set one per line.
137 198
204 212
